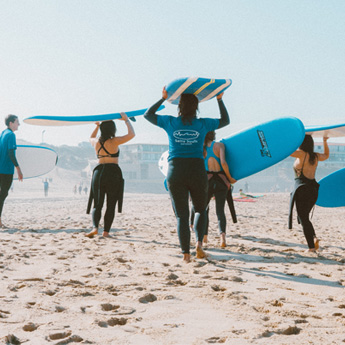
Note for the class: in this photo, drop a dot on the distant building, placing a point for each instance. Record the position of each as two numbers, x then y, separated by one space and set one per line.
139 164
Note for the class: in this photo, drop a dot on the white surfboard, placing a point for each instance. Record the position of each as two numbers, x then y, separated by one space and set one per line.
35 161
52 120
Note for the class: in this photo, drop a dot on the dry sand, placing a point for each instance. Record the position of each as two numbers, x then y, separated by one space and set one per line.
58 287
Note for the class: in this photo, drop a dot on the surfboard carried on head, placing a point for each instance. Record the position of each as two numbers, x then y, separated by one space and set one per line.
257 148
330 131
35 161
332 190
51 120
203 88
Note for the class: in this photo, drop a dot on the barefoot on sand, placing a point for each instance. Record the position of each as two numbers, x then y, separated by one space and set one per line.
316 243
200 254
186 258
92 233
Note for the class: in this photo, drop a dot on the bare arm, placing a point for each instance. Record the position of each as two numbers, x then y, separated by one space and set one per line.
130 134
93 136
325 155
224 116
224 163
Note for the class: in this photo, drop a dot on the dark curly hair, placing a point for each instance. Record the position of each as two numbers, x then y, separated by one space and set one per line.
188 107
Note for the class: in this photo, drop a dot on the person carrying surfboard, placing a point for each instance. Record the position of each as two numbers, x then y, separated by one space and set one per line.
306 188
8 159
219 181
107 177
186 173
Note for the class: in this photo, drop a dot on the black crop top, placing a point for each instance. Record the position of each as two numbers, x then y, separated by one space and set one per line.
113 155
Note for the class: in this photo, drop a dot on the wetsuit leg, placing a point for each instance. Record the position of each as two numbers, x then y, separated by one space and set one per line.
179 198
5 185
99 195
187 176
305 200
198 187
220 194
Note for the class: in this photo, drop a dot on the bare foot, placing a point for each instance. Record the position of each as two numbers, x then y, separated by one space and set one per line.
92 233
200 254
222 240
105 234
316 243
204 240
186 258
312 250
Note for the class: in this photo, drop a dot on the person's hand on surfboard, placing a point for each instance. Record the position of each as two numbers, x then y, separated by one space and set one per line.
164 93
220 96
124 117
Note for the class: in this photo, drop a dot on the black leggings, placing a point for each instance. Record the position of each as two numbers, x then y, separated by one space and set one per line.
106 181
187 177
306 197
5 185
218 189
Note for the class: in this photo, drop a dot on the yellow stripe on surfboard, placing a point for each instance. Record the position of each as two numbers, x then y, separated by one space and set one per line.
204 87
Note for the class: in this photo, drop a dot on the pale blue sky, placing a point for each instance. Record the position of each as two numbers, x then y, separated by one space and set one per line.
79 57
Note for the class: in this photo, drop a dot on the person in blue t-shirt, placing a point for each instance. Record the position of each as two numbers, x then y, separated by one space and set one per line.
186 173
8 159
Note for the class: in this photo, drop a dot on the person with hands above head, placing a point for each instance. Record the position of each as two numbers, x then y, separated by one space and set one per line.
306 188
107 177
186 172
8 161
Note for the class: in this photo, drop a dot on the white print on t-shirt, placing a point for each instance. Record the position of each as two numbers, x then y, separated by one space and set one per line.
186 136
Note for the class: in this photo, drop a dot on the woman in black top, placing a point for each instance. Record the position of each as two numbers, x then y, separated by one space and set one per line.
107 176
306 188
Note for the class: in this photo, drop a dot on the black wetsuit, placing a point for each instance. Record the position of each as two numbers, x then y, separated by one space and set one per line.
304 196
186 173
107 181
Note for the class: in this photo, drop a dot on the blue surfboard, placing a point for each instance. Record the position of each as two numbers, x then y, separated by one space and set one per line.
332 190
257 148
203 88
50 120
330 131
35 161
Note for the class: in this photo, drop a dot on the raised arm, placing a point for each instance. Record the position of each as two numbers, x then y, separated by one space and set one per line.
150 114
224 116
130 131
224 163
325 155
93 136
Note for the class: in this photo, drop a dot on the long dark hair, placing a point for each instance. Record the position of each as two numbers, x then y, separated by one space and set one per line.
188 107
210 136
108 130
308 146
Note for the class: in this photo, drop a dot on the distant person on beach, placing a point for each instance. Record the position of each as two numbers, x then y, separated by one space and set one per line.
107 176
306 188
219 181
186 173
46 187
8 159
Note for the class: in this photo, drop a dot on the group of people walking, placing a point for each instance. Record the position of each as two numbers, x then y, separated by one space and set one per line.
197 171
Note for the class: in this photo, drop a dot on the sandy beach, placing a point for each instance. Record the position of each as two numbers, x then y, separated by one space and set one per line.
59 287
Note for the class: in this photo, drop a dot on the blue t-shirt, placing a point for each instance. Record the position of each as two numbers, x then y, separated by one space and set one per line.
186 141
7 142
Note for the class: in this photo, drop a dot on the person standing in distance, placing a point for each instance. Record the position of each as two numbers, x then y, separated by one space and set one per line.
8 159
186 172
